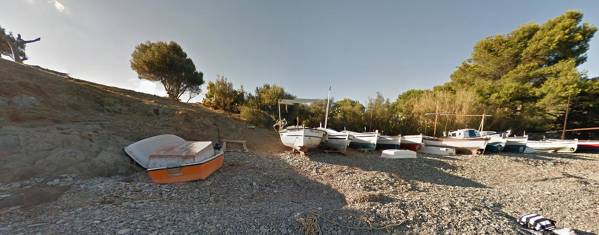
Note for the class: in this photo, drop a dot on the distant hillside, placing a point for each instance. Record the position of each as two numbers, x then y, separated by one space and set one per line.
52 124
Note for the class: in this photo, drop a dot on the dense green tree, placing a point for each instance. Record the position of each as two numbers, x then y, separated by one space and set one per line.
347 114
267 97
5 43
412 106
403 107
378 115
584 108
255 116
222 95
312 114
525 77
167 63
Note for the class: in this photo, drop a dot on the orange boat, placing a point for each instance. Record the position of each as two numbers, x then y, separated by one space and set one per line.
171 159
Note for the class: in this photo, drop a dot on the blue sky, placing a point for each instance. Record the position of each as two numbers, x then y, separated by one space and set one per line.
358 47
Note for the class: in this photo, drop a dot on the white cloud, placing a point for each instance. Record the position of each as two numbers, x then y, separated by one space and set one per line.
150 87
59 6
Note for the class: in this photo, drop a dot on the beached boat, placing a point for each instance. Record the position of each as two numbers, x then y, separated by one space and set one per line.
551 145
298 137
516 144
336 140
588 146
435 150
411 142
171 159
363 140
301 138
433 145
496 142
471 145
388 142
466 141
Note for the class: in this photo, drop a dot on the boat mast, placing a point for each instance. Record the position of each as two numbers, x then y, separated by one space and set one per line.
482 123
279 106
437 114
326 116
436 118
566 118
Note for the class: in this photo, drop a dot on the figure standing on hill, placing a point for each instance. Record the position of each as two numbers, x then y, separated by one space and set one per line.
20 46
14 47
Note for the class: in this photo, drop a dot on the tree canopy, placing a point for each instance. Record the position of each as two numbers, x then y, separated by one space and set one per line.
267 97
222 95
347 114
526 76
167 63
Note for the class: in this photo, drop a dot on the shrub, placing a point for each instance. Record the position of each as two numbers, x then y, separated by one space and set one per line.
256 117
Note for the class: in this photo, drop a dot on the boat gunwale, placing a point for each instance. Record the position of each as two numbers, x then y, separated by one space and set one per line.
216 155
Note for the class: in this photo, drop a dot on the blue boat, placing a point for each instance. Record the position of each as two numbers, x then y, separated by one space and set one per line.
516 144
496 143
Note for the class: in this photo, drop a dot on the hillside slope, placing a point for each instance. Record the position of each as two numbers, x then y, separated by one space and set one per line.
51 124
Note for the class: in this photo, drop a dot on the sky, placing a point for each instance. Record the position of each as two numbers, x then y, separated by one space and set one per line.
357 47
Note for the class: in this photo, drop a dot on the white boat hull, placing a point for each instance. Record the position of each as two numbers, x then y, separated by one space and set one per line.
336 140
364 140
437 150
467 145
388 142
560 146
411 142
300 138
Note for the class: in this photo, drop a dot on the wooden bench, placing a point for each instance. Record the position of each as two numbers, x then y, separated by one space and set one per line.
242 142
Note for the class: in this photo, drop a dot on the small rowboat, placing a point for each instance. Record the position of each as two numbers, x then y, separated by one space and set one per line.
171 159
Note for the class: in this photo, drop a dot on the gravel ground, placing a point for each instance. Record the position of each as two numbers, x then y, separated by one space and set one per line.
328 193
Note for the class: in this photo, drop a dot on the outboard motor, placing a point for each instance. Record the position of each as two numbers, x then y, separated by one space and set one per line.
217 146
